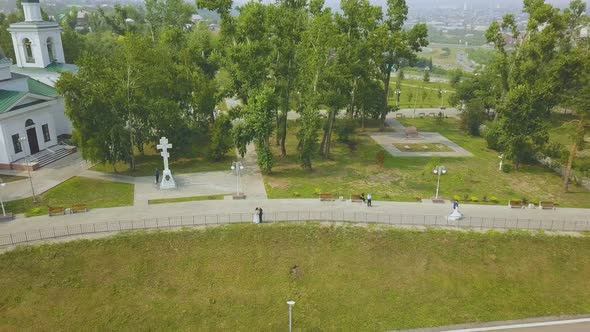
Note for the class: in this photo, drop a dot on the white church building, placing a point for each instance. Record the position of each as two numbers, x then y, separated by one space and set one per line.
32 118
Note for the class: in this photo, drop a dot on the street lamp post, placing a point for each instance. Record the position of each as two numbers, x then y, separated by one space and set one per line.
27 159
397 93
291 304
442 98
438 171
2 184
238 167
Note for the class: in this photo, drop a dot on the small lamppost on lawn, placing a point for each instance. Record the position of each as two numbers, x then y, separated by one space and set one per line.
438 171
291 304
442 98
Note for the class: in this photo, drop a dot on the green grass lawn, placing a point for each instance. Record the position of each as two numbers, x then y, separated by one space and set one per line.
238 278
353 169
77 190
420 94
185 199
146 164
11 178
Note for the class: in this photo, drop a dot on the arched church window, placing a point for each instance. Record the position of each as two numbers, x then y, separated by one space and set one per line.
28 50
29 122
50 51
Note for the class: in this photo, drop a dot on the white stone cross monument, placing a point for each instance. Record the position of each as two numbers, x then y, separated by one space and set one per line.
167 179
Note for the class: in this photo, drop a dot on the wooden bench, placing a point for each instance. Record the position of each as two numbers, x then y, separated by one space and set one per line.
516 205
547 205
399 115
356 198
421 115
327 197
55 210
432 115
79 208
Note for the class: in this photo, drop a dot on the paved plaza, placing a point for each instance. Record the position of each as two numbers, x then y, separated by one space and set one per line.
388 139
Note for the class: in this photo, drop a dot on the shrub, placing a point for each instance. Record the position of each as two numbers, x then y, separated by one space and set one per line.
296 194
494 199
474 198
472 117
317 191
484 199
345 129
492 136
465 197
418 198
553 150
506 168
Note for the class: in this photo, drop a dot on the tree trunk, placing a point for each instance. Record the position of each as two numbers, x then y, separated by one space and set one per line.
131 154
386 93
568 170
278 135
352 99
326 142
363 119
284 136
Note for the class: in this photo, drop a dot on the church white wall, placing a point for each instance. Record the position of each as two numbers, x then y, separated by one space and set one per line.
3 148
16 125
32 12
63 125
38 46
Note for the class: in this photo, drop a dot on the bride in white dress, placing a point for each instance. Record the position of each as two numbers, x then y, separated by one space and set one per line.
256 217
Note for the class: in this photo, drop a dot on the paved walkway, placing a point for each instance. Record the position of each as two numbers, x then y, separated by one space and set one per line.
388 139
541 324
476 212
45 178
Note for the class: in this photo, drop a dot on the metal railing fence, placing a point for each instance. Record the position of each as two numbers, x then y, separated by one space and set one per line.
294 216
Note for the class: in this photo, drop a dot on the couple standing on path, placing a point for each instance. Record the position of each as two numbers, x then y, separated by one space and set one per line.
369 198
257 216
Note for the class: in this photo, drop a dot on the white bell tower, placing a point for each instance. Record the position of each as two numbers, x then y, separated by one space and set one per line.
36 43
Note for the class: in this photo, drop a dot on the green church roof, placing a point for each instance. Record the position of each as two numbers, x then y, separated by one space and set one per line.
39 88
9 98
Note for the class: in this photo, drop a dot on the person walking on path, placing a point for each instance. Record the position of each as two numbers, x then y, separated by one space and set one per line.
455 205
369 198
256 217
259 214
157 176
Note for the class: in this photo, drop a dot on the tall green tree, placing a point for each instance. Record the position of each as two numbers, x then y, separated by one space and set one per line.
393 45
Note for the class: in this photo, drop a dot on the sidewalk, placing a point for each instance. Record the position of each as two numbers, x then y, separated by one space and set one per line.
45 178
285 205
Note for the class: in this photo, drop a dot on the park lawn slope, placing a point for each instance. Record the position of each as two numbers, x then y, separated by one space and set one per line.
353 169
342 278
77 190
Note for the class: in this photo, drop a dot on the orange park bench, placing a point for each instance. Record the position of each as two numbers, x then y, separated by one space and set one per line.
55 210
515 204
547 205
79 208
412 132
356 198
327 197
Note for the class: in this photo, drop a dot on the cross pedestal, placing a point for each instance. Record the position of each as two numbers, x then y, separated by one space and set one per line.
167 179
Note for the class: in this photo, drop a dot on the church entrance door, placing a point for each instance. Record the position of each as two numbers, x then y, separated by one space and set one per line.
32 138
